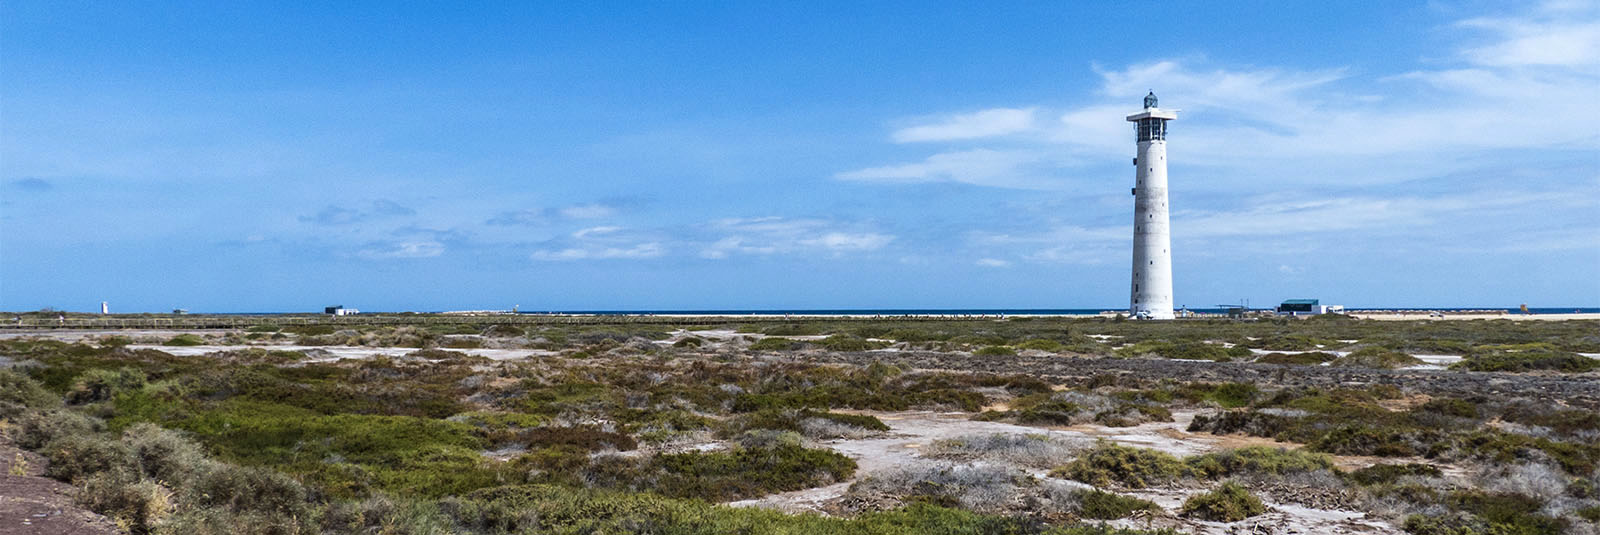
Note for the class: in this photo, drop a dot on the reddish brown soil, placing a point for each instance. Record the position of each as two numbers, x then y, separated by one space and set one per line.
32 504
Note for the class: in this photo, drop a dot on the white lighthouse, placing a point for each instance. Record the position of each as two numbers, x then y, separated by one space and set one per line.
1152 235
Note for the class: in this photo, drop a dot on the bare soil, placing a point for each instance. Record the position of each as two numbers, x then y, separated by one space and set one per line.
32 504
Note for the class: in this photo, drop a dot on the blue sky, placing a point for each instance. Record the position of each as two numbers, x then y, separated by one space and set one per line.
410 156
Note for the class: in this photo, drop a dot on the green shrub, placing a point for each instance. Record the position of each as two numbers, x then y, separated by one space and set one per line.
18 393
1229 503
264 328
1112 464
185 339
1590 513
1501 514
250 490
995 351
1458 408
138 504
98 385
586 437
1101 505
748 472
689 342
1258 460
1504 361
1049 412
776 344
78 456
1376 357
1233 395
1382 474
35 429
165 455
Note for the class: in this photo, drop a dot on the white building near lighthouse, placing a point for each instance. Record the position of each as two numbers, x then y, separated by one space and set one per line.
1151 296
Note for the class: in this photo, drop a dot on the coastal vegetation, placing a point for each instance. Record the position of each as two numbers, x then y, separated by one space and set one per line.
653 428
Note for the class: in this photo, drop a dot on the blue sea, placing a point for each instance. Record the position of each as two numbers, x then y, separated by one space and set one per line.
1010 311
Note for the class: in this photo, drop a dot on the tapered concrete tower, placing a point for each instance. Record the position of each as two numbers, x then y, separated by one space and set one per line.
1152 236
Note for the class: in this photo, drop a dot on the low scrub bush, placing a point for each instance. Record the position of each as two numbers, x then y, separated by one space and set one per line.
776 344
1258 460
1229 503
1458 408
585 437
101 384
1506 361
78 456
1111 464
1033 451
1376 357
33 430
165 455
19 393
1475 513
246 490
748 472
1384 474
511 510
185 339
138 505
995 351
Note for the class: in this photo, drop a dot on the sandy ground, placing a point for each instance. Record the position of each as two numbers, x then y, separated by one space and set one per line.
911 432
32 504
1413 316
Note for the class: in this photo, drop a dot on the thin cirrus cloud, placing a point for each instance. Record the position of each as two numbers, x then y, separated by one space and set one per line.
528 217
345 215
981 124
402 249
602 243
779 235
1007 168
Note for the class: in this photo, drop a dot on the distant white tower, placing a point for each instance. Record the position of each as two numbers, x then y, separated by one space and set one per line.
1152 235
105 308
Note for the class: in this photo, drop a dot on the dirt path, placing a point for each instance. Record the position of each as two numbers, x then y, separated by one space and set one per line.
32 504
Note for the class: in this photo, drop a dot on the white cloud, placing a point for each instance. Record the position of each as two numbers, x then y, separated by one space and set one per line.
983 167
777 235
587 211
844 241
1563 33
639 251
405 249
986 123
595 231
1517 78
993 262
